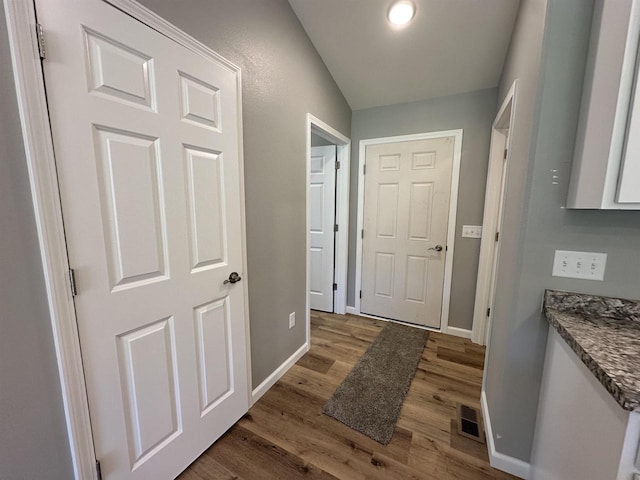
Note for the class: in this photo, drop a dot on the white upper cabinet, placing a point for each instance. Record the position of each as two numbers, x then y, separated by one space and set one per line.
606 163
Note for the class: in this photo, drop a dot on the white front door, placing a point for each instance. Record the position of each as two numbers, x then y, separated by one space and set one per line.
147 149
322 197
406 212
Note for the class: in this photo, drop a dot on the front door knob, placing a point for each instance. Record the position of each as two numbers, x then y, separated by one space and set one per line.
233 278
437 248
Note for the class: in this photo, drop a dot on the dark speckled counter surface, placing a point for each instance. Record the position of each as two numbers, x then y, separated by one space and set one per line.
605 334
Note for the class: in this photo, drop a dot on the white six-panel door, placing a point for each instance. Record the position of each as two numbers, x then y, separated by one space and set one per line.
406 212
147 149
322 196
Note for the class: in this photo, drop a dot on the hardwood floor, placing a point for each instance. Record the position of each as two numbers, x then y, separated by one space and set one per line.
286 436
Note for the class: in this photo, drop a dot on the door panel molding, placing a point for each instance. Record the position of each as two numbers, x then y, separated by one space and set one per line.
453 209
38 144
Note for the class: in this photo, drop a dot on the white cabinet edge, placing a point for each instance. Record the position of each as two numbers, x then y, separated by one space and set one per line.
594 185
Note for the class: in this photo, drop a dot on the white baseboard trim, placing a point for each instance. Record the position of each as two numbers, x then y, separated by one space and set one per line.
270 381
352 310
459 332
499 460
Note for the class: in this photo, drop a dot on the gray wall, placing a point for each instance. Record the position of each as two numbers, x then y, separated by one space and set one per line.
283 79
474 113
318 141
502 389
519 333
33 439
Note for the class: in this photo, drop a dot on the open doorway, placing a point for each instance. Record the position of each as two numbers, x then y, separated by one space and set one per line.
327 217
492 222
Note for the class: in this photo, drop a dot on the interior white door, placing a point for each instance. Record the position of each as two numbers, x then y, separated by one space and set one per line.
406 213
496 244
147 148
322 196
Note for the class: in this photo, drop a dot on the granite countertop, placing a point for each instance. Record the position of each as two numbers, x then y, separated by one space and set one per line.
605 334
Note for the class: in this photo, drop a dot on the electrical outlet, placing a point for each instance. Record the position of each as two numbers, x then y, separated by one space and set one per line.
583 265
292 319
472 231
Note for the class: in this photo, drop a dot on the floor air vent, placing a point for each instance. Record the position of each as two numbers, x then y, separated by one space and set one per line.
470 423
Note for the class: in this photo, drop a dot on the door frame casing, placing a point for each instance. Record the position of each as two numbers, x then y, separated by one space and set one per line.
451 225
39 153
491 223
343 155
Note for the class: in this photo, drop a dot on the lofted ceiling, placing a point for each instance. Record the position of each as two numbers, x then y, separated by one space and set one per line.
450 47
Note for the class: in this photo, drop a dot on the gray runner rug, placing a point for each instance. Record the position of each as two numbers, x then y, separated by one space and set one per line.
370 398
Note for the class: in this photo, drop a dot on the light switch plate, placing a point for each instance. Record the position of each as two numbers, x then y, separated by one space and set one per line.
472 231
292 319
583 265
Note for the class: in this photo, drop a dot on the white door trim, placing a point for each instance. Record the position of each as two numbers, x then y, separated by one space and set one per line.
453 210
38 144
343 154
491 224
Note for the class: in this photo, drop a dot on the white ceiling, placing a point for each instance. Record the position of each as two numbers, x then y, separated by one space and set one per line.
451 46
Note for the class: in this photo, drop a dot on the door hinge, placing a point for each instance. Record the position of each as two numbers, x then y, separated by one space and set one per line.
72 282
362 233
335 287
41 43
337 165
505 153
360 293
336 228
364 169
98 470
497 236
489 312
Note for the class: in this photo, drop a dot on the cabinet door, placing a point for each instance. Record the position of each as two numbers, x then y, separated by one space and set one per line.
574 408
602 176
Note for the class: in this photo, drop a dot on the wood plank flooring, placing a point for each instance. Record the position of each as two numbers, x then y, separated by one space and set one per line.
285 435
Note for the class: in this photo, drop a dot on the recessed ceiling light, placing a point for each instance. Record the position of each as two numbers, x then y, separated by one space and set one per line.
401 12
